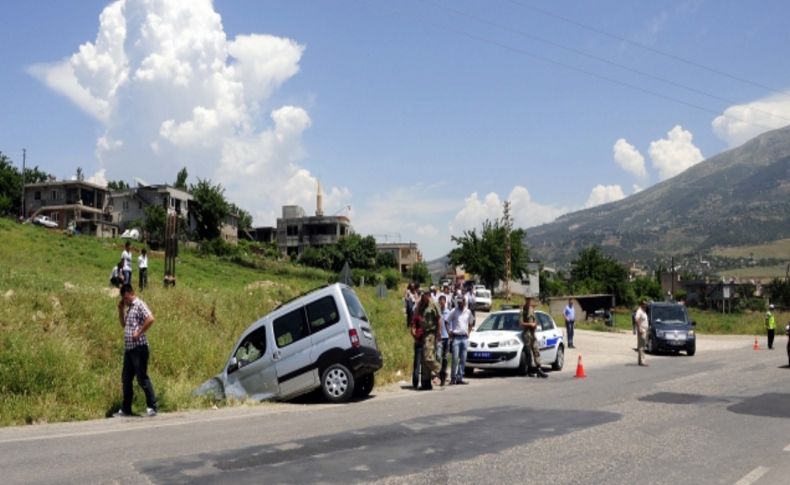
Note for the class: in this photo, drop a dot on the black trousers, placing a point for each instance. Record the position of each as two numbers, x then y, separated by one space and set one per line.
135 364
143 278
771 332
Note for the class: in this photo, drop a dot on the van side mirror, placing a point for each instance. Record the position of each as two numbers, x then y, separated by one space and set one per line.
693 323
234 365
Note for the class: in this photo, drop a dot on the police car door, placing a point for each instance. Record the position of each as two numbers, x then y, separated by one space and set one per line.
292 349
548 336
258 377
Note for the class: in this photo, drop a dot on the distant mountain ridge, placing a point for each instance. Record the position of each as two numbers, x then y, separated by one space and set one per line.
740 196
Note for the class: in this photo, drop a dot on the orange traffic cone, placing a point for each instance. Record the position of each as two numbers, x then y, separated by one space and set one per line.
580 369
756 345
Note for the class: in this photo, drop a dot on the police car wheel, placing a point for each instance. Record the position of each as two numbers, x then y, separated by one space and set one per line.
337 383
560 360
523 368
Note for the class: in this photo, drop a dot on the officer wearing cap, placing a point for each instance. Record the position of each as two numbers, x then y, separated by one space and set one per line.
770 326
530 324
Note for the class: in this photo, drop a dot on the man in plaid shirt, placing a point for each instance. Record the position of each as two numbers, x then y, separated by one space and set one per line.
136 320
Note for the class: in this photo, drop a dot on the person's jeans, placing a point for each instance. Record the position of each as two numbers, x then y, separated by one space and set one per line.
569 327
459 357
415 374
135 363
441 353
143 278
127 276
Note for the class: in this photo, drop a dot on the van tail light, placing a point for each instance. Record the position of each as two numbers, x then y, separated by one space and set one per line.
352 334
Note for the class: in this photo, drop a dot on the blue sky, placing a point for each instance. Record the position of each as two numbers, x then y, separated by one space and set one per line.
423 116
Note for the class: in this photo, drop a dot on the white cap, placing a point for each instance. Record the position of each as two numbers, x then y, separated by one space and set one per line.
771 306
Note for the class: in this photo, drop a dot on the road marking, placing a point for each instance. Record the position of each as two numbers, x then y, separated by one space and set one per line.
753 476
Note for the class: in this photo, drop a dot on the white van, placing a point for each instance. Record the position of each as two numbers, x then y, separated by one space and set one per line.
320 339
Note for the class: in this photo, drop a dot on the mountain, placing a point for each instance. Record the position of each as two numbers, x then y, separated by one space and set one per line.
741 196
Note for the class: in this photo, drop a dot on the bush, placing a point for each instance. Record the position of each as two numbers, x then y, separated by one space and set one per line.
217 247
392 278
371 277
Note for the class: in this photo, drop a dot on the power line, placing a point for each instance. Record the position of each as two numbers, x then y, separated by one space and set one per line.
581 70
648 48
598 58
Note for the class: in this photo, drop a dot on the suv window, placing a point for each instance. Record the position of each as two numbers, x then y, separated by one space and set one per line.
290 328
322 313
353 304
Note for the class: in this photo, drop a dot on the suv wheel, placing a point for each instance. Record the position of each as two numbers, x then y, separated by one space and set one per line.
651 346
337 382
364 386
691 350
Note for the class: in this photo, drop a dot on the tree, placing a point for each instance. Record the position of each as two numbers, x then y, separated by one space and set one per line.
360 252
386 260
155 221
551 285
593 272
645 287
181 179
11 184
419 273
210 209
117 185
484 254
245 219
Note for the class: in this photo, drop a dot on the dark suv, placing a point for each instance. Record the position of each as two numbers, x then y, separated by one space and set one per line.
670 328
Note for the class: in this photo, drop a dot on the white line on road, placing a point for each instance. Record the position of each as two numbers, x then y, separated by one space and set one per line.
753 476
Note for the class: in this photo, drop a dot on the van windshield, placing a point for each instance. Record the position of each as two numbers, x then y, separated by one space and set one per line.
669 314
353 304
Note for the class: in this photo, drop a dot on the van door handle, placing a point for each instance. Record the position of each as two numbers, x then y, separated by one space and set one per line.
275 355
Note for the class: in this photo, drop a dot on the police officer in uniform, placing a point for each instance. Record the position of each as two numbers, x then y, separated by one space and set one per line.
530 324
770 326
425 329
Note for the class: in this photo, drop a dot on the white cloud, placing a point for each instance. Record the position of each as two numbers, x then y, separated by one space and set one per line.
740 123
675 153
525 211
171 90
602 194
637 188
629 158
98 178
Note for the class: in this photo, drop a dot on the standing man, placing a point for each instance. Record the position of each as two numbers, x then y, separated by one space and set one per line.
770 326
441 345
461 322
425 330
135 321
530 324
142 266
570 319
641 332
126 257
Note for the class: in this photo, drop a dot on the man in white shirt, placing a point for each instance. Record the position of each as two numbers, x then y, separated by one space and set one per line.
126 257
142 266
641 332
460 324
570 320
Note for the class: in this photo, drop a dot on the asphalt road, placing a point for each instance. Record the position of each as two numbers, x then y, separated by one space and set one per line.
718 417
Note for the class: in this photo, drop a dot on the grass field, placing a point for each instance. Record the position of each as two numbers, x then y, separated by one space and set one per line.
774 249
756 272
62 345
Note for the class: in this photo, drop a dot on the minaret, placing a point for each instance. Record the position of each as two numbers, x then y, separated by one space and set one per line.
319 201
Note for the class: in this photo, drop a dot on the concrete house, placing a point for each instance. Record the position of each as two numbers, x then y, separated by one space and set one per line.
129 205
76 204
407 254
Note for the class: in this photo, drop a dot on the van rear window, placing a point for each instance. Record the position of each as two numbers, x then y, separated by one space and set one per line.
322 313
353 304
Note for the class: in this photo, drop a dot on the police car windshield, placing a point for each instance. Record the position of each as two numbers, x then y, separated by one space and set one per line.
500 321
669 314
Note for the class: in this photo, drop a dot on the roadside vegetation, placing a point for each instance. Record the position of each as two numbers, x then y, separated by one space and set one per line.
63 346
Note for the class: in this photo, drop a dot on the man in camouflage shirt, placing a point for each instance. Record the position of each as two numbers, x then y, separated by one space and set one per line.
425 328
530 324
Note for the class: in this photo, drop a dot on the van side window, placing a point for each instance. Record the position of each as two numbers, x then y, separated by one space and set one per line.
322 313
251 348
290 328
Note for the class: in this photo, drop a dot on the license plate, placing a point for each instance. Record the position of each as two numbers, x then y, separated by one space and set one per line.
481 355
678 341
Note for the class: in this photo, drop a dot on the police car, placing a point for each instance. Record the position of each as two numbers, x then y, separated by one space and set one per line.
497 343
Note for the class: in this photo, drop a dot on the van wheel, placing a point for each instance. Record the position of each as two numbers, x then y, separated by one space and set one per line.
337 382
364 386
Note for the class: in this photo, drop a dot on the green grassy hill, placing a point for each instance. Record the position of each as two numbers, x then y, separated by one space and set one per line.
62 345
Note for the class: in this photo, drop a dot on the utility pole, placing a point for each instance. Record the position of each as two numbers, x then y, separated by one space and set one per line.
22 195
673 277
507 249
